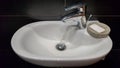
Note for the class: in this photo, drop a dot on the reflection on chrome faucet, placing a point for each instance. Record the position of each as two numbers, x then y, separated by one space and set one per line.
76 17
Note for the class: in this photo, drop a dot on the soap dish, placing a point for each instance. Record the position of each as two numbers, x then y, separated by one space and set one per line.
98 29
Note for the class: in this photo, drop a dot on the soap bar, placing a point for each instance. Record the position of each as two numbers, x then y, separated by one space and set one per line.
98 30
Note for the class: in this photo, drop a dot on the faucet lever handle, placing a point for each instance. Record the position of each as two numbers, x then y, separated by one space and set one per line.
76 6
80 8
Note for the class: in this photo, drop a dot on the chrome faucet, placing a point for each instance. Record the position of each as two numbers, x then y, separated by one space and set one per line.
80 8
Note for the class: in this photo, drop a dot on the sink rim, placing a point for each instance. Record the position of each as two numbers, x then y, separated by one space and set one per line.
32 56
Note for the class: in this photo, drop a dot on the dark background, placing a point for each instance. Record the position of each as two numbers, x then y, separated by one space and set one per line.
17 13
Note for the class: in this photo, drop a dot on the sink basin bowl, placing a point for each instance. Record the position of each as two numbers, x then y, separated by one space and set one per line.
36 43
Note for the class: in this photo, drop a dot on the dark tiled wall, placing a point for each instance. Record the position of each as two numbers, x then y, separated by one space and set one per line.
15 14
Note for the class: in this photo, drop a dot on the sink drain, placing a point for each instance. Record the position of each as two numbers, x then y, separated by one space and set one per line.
61 46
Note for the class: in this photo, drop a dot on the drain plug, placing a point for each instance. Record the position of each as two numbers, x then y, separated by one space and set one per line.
61 46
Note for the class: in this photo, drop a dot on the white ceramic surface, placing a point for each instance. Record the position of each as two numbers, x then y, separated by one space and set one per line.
36 43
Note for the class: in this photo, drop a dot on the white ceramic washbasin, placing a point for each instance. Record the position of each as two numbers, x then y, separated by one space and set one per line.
36 43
